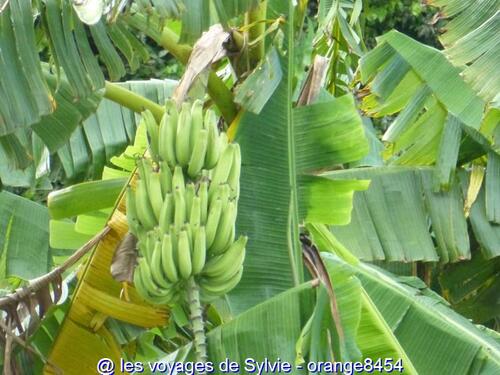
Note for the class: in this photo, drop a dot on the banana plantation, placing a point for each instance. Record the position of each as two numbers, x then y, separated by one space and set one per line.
249 187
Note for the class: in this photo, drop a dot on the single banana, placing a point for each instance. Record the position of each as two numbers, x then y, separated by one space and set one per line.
221 171
133 221
165 178
155 193
180 209
232 258
221 192
220 289
213 144
213 221
147 278
171 134
224 229
195 216
196 122
234 175
203 194
178 179
197 159
145 212
189 195
224 277
149 244
182 142
199 250
189 232
156 268
167 213
184 253
163 138
168 260
175 242
152 129
139 284
144 167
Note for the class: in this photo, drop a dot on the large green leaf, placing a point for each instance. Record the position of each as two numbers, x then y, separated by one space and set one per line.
56 99
282 147
24 256
390 220
439 114
470 41
435 338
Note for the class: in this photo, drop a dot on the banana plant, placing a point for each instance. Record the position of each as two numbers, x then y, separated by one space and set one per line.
314 215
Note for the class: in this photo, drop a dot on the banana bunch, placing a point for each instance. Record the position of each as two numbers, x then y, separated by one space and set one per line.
183 207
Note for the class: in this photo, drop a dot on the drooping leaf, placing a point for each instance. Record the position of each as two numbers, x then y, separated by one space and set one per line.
422 322
108 131
470 40
98 296
390 220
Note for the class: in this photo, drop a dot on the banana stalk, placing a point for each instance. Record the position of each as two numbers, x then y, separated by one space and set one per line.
196 317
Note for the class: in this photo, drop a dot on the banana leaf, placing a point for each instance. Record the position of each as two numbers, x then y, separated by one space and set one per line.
282 149
470 41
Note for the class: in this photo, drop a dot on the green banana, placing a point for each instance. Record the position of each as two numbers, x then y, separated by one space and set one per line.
147 250
213 221
221 192
223 277
171 134
145 212
232 258
178 179
152 129
168 259
195 216
221 171
196 122
131 210
182 142
163 138
146 288
224 229
165 178
234 175
139 284
199 250
189 195
203 194
180 209
147 278
144 167
157 269
155 193
184 255
189 232
167 213
220 289
197 159
213 144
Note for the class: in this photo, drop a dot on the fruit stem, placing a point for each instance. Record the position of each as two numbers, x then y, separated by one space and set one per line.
200 344
131 100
